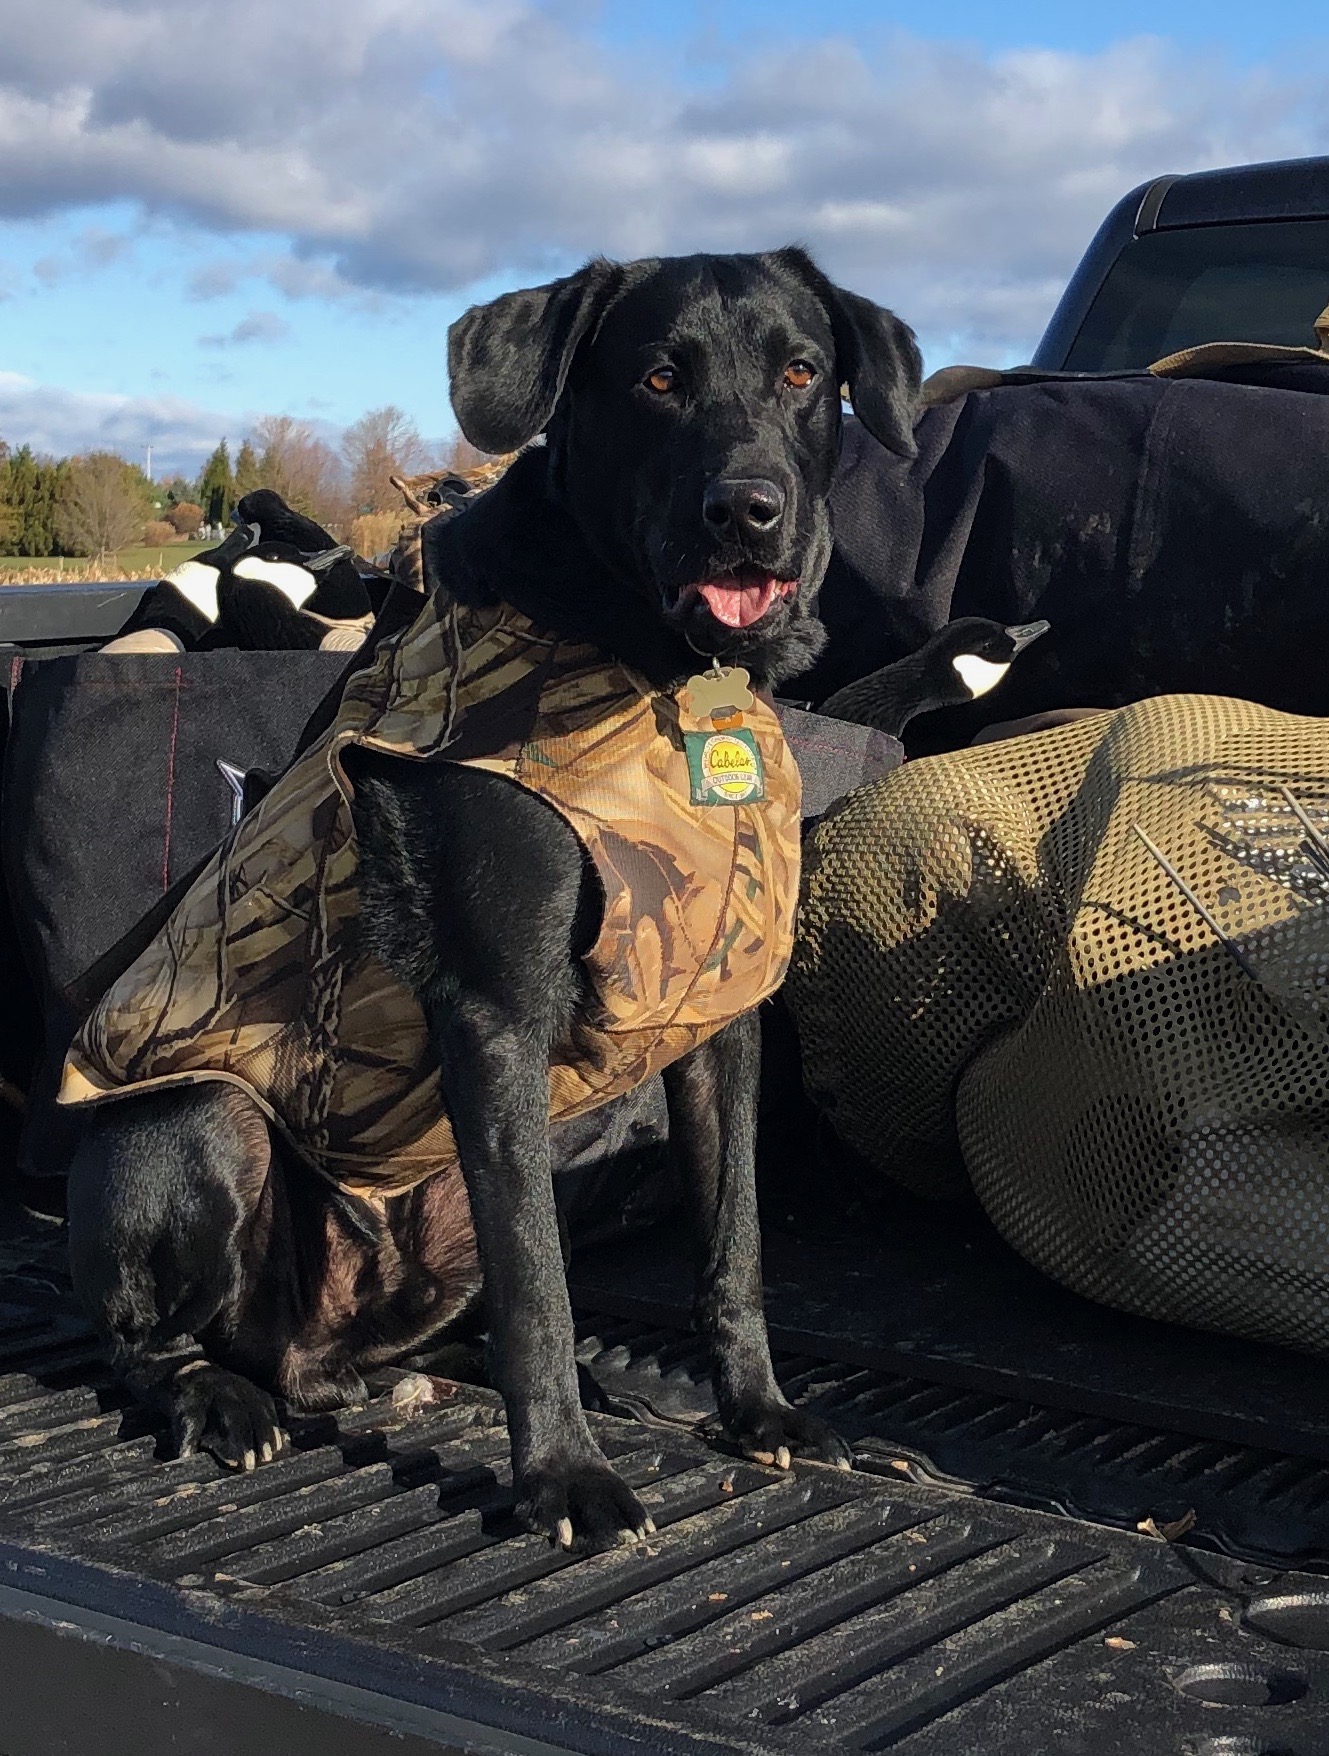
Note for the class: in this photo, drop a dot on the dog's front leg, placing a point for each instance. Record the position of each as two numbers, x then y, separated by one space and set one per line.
712 1095
496 1084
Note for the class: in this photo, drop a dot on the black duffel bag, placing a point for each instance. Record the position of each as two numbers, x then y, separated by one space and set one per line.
122 773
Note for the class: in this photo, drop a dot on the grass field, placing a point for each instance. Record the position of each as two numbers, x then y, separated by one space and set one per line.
136 563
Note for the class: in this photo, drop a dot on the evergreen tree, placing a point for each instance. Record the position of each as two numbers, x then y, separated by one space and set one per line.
20 484
175 491
8 516
247 474
29 492
216 486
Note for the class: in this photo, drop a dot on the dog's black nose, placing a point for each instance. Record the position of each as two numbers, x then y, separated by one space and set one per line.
744 508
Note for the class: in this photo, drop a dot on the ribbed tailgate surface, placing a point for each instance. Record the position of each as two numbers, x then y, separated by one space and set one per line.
791 1613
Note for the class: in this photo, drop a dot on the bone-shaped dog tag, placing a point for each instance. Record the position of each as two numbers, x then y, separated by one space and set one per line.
719 696
724 761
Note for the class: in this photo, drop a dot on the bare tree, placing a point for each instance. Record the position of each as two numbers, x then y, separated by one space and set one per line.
103 505
459 454
300 467
382 443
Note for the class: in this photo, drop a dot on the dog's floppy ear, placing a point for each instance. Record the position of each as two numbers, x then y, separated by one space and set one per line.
876 356
880 362
508 360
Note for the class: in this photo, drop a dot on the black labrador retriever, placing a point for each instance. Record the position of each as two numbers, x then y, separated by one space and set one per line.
677 508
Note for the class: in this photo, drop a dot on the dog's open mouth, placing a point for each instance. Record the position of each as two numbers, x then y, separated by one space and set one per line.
740 599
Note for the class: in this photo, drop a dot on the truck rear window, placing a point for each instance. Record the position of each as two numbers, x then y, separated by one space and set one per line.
1265 281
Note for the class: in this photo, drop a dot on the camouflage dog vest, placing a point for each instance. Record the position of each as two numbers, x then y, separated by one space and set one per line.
258 978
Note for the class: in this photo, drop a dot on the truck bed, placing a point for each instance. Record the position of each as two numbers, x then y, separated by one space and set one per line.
936 1340
370 1591
1068 1530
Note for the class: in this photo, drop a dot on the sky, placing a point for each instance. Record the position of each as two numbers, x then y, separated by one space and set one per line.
212 210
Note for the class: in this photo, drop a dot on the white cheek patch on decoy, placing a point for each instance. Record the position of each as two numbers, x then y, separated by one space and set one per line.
294 583
197 581
978 674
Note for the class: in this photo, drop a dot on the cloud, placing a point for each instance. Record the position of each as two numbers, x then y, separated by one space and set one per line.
408 145
215 281
58 421
93 249
260 326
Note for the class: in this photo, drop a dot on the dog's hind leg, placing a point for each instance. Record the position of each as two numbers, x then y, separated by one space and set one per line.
712 1096
162 1193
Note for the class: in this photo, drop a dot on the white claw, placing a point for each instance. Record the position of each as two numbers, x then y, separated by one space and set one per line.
649 1526
267 1452
782 1458
563 1533
249 1461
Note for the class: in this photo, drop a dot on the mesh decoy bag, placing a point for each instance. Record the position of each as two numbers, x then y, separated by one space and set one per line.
1087 973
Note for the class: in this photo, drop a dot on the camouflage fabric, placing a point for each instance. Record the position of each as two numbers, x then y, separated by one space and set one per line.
257 978
1086 973
404 561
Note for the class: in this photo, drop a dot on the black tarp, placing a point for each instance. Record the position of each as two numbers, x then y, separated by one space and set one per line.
1174 532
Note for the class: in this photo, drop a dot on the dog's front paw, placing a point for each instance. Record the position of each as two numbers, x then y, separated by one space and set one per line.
580 1503
774 1433
218 1411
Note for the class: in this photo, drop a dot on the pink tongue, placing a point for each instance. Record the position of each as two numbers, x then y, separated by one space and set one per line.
738 605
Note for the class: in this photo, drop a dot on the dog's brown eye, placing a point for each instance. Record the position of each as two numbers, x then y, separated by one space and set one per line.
798 374
661 380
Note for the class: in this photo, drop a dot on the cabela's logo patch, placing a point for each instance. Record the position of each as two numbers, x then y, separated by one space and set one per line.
724 768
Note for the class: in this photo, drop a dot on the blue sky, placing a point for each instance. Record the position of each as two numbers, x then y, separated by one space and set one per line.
1247 31
215 211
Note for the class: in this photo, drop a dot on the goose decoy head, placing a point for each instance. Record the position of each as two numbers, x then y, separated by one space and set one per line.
981 652
959 663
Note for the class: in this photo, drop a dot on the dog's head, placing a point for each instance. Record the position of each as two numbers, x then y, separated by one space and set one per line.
692 412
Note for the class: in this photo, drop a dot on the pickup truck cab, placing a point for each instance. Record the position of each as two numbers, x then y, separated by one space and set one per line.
1068 1531
1239 255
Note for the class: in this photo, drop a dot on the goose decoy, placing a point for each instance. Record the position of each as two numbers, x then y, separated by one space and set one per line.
278 597
256 591
342 591
181 609
963 660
